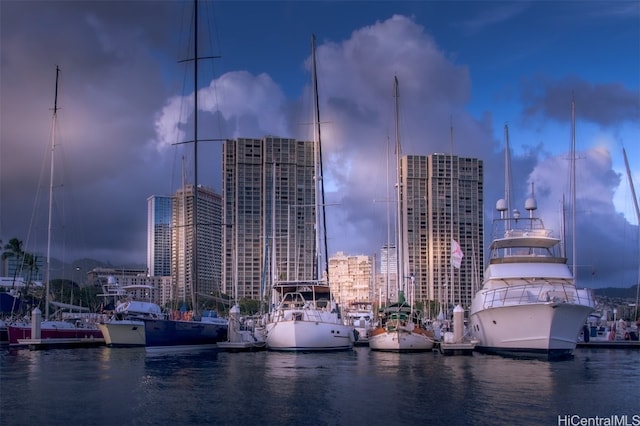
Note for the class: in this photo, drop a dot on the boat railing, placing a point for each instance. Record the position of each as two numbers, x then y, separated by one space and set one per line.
536 293
512 228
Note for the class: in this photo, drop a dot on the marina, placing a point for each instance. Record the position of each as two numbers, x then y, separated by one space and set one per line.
241 315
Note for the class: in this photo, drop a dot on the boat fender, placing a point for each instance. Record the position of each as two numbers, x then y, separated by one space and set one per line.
356 335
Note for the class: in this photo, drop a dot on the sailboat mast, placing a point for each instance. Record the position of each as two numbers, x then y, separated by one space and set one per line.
573 189
388 227
635 204
321 222
185 227
399 237
633 190
194 272
274 266
53 147
451 268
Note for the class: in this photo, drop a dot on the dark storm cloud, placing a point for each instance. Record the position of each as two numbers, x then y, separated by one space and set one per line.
608 104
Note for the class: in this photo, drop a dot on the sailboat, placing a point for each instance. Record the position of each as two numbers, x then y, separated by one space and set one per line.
400 327
529 305
36 330
125 328
198 330
305 316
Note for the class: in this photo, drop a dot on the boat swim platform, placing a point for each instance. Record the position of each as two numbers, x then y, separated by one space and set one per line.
61 343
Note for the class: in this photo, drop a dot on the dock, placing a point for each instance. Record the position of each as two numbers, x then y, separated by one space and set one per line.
242 346
462 348
55 343
610 344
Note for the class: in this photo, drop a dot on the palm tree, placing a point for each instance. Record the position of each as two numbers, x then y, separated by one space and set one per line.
14 249
30 262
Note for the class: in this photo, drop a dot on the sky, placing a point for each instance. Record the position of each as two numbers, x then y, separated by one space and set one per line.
465 70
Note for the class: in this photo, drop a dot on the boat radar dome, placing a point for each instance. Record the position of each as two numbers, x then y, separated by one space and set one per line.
501 205
531 205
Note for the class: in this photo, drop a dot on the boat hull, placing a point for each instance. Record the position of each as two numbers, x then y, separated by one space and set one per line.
51 330
163 332
297 335
539 330
4 332
381 339
123 333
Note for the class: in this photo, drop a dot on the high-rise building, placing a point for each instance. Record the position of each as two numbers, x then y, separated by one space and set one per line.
351 278
269 213
159 214
442 200
386 287
208 230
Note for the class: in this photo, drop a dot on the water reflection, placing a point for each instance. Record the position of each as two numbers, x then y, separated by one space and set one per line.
106 386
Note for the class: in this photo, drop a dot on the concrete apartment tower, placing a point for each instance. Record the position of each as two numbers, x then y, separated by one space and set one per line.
209 243
442 200
269 213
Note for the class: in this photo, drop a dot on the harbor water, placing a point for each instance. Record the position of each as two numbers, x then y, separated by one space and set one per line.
117 386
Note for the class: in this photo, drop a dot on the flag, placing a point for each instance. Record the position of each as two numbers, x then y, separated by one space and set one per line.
456 254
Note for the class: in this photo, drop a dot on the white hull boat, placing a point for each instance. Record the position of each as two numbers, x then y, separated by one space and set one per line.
304 335
536 328
307 320
529 305
126 326
398 332
123 333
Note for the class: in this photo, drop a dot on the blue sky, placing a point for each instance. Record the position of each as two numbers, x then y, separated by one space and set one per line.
474 65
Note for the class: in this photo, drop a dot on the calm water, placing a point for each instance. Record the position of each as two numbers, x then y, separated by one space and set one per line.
103 386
